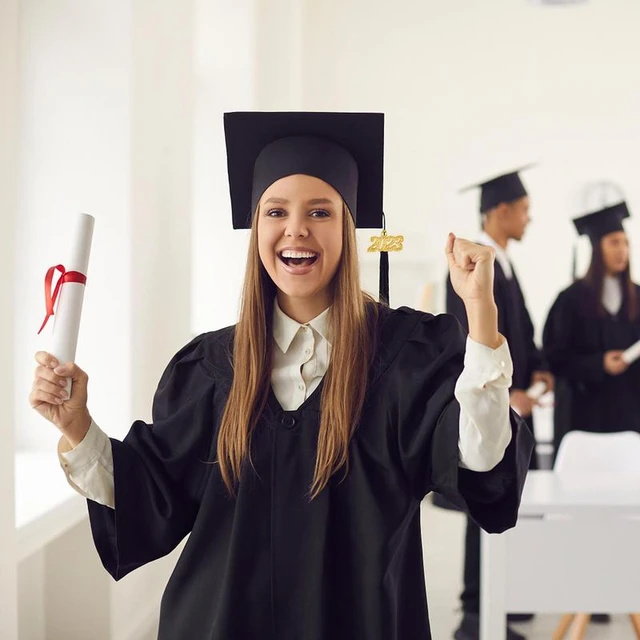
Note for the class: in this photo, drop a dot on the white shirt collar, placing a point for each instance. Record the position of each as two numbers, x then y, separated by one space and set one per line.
285 328
501 255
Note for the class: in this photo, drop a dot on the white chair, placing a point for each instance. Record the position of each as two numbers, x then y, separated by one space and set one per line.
599 452
581 451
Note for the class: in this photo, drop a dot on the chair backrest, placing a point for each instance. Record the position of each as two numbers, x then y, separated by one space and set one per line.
581 451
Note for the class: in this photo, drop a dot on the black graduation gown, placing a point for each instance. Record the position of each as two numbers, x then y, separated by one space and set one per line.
575 341
270 564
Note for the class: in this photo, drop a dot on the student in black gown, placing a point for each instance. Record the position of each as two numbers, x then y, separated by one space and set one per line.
589 326
504 207
295 447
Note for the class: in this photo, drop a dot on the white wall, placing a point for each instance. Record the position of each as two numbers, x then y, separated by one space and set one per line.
159 223
106 128
225 73
471 89
75 120
8 164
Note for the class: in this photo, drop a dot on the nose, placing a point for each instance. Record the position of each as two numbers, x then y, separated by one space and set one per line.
296 227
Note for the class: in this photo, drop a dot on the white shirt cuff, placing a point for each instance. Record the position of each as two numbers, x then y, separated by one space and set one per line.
89 466
483 393
484 365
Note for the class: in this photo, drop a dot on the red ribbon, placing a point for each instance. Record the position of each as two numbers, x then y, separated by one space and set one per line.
49 298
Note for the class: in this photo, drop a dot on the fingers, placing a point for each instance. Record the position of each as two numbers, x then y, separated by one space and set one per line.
467 254
46 359
461 254
47 386
521 402
73 371
545 377
449 250
451 238
614 364
49 382
66 370
47 392
620 365
44 373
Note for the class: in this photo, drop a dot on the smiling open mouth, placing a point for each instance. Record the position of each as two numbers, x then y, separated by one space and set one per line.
298 258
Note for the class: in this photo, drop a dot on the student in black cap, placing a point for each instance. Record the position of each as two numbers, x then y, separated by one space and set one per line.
296 446
504 207
589 326
587 330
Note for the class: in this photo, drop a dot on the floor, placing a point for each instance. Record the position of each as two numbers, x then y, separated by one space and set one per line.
443 544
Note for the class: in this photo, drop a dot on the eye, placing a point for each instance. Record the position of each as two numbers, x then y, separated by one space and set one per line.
274 213
320 213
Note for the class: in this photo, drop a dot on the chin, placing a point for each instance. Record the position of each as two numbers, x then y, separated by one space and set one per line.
299 290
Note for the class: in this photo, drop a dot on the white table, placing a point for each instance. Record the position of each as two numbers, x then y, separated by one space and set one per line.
576 548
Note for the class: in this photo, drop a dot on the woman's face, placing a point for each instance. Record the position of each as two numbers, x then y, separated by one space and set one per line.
300 240
615 252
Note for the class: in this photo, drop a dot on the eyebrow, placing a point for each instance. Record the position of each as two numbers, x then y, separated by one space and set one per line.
314 201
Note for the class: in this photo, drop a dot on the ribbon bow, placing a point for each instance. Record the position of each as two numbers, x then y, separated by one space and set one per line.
50 298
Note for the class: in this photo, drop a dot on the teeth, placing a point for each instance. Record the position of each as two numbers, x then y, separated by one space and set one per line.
298 254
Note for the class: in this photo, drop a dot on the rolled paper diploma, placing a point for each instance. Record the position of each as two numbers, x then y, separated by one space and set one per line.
66 324
632 353
536 390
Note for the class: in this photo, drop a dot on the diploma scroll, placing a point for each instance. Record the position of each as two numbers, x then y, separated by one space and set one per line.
632 353
537 390
65 303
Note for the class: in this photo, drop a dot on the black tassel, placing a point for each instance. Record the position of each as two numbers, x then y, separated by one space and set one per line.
384 278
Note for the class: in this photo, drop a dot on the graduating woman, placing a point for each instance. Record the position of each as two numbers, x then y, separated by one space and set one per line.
295 447
589 326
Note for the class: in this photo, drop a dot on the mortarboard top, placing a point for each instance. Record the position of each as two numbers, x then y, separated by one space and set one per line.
504 188
597 224
346 150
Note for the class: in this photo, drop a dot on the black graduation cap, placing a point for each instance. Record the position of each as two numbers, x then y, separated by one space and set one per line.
346 150
599 223
505 188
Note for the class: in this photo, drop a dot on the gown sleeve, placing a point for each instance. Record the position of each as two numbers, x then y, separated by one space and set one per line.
159 470
535 357
428 418
565 360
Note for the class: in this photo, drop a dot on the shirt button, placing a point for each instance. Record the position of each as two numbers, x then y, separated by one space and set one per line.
503 364
288 422
307 352
301 387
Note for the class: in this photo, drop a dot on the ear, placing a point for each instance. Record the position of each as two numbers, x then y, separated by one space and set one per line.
502 211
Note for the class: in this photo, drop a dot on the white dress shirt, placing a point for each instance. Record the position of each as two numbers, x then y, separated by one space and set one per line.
301 358
501 254
612 294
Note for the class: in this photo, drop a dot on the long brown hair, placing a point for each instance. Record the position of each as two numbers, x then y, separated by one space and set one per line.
594 278
352 319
